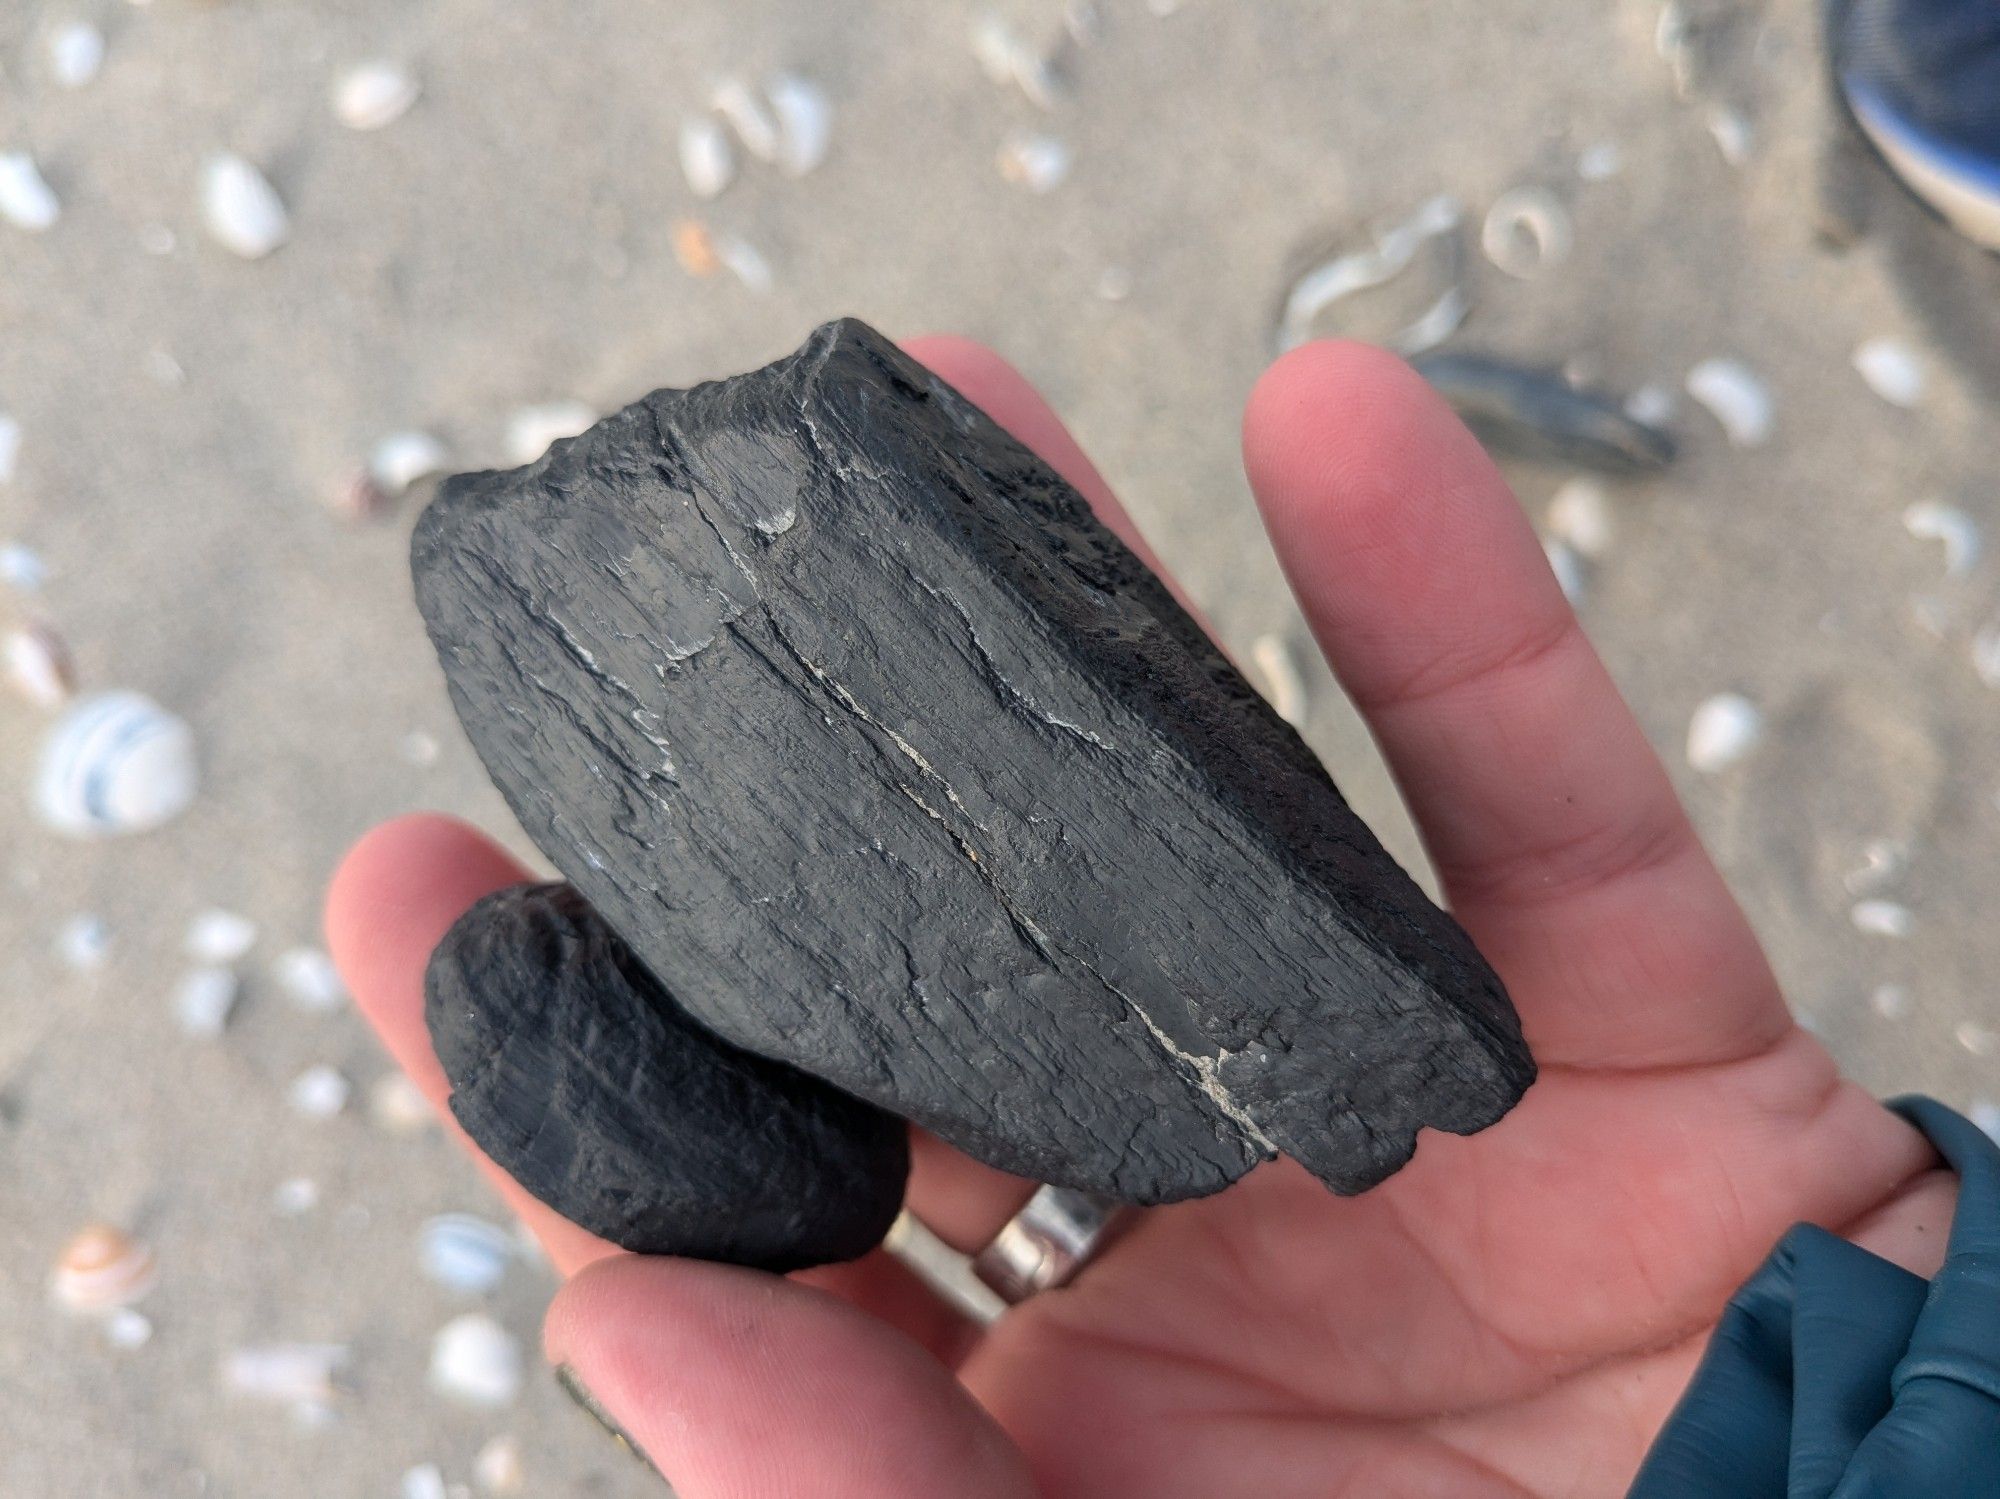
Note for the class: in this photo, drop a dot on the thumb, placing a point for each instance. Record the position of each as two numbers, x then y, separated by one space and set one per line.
741 1385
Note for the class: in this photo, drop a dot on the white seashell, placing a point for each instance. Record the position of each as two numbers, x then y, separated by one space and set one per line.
425 1481
405 458
203 999
1008 59
100 1270
1723 730
744 261
76 53
309 979
115 762
1733 136
243 212
295 1196
295 1374
1931 520
708 161
1977 1039
805 122
84 942
21 568
1986 654
463 1253
1985 1114
749 116
1580 514
476 1361
1601 162
1894 371
1040 163
1283 684
218 936
1527 231
127 1330
1655 405
319 1092
497 1467
374 95
1736 397
397 1105
10 447
1394 250
1882 918
38 665
1572 576
532 430
1890 1001
26 199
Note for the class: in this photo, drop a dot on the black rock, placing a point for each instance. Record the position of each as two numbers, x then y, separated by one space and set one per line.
892 763
575 1071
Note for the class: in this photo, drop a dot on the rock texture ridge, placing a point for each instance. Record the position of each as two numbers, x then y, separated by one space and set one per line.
893 764
575 1071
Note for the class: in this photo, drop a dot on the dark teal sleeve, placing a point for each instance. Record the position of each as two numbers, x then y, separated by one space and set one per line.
1836 1375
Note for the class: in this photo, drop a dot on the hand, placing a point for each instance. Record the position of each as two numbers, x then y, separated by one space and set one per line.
1515 1313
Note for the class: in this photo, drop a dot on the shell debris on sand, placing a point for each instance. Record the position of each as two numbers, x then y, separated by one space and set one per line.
476 1361
219 936
101 1269
115 762
127 1330
10 447
1980 1040
21 568
241 210
374 95
1009 59
294 1374
76 53
1284 686
1572 572
84 943
745 262
309 979
203 1001
425 1481
1737 397
708 161
1722 732
1527 231
1734 136
749 115
1039 163
805 122
405 459
320 1092
1933 520
38 664
497 1467
463 1253
533 430
1390 254
1894 370
26 199
1580 514
1882 918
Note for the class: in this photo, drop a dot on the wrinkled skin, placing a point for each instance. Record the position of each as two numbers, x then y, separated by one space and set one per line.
1515 1313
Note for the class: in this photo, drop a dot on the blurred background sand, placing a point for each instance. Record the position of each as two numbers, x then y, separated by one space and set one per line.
186 415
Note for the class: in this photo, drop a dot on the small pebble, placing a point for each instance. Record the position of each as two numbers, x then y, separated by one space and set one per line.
1882 918
1039 163
397 1105
1723 730
1978 1039
463 1253
1284 686
128 1330
26 199
498 1468
309 979
403 459
708 161
425 1481
1737 398
242 211
1580 514
319 1092
217 936
532 430
84 943
295 1197
374 95
10 447
76 53
1891 1001
805 122
100 1270
38 665
1932 520
203 1000
476 1361
1893 370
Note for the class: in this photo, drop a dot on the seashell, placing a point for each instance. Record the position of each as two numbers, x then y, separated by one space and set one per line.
26 199
497 1467
295 1196
708 161
1890 1001
397 1105
1572 575
1040 163
38 665
1986 654
463 1253
1722 732
115 762
425 1481
373 95
749 116
294 1374
1882 918
241 209
319 1092
1893 370
532 430
1527 231
217 936
1284 686
203 999
84 942
805 122
1601 162
1985 1113
476 1361
745 262
100 1270
1978 1039
1532 413
694 248
1009 60
10 447
1736 397
309 979
1428 241
21 568
1733 136
127 1330
76 53
404 459
1932 520
1580 515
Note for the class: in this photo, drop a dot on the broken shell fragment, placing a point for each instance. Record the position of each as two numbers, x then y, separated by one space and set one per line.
10 455
1733 135
1722 732
203 1001
476 1361
26 199
750 117
1040 163
319 1092
1737 397
115 762
463 1253
309 979
1580 514
38 665
1893 370
745 262
1882 918
1537 414
403 459
1423 310
218 936
533 430
374 95
84 942
1572 572
101 1270
76 53
242 211
1008 58
708 161
1527 232
805 122
425 1481
1932 520
294 1374
1285 688
497 1467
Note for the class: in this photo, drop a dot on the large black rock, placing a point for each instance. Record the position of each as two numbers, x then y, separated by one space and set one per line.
892 763
575 1071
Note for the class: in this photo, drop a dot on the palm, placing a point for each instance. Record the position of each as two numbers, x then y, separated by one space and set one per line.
1514 1313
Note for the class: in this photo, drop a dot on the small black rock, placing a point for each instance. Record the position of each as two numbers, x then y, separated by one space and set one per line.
575 1070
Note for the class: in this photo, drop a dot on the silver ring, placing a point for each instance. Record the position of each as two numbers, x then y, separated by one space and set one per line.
1045 1244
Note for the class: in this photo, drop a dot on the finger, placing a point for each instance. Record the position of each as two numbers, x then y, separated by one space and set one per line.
744 1385
1552 824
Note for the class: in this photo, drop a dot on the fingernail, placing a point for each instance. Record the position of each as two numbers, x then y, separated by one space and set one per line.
590 1406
